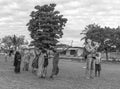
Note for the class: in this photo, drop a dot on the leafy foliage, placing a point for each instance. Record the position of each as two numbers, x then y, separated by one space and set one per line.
13 41
7 41
45 26
108 37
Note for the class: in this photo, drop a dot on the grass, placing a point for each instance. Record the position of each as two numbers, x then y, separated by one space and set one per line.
71 76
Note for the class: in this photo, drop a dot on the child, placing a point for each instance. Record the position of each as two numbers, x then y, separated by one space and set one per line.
97 65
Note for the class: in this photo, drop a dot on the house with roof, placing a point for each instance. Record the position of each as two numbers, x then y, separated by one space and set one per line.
72 52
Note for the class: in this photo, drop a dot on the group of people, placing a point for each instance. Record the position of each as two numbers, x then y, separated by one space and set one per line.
40 61
93 59
37 64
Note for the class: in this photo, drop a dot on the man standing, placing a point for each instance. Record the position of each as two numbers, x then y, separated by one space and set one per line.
91 50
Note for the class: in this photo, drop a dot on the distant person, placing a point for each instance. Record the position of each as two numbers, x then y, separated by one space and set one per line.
6 56
55 69
89 58
45 65
97 65
40 73
17 62
26 61
56 58
31 60
34 63
91 50
10 53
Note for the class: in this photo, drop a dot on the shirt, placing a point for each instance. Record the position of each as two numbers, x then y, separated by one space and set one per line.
98 60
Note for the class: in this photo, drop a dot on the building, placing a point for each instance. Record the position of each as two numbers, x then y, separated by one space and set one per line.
72 52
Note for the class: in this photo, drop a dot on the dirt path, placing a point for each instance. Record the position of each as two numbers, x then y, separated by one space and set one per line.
71 76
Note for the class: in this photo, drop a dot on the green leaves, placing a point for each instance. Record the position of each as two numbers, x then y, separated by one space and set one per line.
46 26
99 34
14 41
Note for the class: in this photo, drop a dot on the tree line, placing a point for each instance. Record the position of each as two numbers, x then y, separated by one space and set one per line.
46 28
109 38
13 42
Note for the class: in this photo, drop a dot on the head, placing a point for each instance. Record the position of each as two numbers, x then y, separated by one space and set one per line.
95 43
17 52
89 41
43 51
56 52
98 54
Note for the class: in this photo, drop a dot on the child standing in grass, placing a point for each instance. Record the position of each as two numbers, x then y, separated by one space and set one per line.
97 65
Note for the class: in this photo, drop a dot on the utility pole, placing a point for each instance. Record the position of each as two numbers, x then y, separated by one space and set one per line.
71 43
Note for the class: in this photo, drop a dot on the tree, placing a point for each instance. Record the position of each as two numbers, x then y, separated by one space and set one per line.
95 33
17 41
116 38
7 41
106 36
46 26
13 41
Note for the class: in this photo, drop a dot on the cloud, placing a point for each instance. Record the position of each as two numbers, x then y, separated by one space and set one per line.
6 19
71 12
14 16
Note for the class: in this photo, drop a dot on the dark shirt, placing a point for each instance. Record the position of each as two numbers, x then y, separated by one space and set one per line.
45 61
17 58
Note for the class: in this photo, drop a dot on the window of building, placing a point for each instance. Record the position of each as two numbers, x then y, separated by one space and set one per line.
72 52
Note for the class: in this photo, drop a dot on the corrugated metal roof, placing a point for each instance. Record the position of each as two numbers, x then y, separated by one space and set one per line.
71 48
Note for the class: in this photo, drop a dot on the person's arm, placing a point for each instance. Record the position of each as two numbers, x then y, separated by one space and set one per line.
20 57
15 57
94 48
65 49
88 48
100 60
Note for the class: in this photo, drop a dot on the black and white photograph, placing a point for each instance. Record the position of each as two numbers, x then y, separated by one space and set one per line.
59 44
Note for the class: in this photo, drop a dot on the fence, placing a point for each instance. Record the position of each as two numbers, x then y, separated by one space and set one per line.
112 56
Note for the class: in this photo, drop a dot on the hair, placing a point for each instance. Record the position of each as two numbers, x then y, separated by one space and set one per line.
43 51
17 53
97 54
54 51
86 40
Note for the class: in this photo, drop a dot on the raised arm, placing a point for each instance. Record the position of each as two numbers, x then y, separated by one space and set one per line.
88 48
65 49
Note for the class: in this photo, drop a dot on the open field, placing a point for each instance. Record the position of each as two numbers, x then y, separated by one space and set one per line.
71 76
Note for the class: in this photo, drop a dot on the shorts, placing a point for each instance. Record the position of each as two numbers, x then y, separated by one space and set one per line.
97 67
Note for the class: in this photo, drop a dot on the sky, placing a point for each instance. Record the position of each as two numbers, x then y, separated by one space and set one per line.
14 15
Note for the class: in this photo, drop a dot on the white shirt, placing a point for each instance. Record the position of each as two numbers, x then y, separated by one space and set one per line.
98 60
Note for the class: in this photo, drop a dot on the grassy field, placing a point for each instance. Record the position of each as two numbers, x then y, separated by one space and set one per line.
71 76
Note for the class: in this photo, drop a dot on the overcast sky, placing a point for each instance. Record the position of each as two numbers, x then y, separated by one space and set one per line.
14 15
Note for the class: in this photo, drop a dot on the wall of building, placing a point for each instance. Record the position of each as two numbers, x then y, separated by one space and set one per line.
74 52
